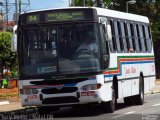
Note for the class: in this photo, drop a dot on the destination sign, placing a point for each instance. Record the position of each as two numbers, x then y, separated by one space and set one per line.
33 18
65 16
57 16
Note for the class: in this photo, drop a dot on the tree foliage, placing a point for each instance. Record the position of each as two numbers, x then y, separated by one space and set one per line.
7 58
107 3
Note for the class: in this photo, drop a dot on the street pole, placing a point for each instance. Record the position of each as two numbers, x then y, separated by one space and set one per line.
127 7
16 7
20 3
7 13
129 2
69 3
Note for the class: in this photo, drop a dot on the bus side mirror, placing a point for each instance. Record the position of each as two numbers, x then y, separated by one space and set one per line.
14 40
106 28
109 32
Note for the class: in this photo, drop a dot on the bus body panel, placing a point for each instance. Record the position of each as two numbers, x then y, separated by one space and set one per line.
86 97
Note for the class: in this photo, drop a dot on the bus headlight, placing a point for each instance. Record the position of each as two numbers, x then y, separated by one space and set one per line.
91 87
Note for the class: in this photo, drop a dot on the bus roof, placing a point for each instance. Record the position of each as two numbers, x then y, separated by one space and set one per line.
106 12
121 15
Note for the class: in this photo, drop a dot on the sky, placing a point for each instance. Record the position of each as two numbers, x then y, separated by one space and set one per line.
44 4
35 5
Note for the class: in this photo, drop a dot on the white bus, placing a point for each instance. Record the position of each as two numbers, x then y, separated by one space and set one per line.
54 72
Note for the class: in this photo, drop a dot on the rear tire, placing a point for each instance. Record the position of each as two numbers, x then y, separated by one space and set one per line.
139 99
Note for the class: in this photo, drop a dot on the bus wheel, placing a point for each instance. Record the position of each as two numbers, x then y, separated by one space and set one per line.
110 105
139 99
44 110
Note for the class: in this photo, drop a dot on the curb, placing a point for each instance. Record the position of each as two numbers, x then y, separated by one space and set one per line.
153 92
4 102
156 91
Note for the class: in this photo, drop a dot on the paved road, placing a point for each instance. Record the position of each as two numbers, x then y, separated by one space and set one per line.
149 111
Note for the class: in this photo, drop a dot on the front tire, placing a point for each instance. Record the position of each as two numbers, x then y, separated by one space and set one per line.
110 106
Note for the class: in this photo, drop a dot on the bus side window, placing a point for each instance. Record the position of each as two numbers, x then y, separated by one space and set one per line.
130 38
142 39
136 38
139 39
112 42
133 36
120 36
124 37
145 39
148 38
117 37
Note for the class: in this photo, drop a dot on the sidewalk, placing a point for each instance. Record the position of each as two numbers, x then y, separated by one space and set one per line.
12 106
156 88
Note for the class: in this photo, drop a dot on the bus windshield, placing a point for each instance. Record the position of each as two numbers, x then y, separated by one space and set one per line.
59 49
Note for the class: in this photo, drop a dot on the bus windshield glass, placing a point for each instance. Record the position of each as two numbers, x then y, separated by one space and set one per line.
59 49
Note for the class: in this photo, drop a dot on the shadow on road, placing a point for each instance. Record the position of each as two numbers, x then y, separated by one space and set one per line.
85 111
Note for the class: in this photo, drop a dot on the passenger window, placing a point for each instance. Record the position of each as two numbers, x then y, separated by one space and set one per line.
123 36
126 36
136 38
139 39
117 37
113 42
142 38
133 36
129 37
145 40
120 36
148 38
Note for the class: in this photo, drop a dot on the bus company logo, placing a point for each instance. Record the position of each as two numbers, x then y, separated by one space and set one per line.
59 86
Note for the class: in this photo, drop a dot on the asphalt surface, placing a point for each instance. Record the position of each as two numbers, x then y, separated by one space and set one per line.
149 111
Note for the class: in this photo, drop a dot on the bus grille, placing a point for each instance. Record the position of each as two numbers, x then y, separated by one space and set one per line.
58 91
60 100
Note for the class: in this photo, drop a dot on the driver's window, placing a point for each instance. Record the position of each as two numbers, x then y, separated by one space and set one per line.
88 40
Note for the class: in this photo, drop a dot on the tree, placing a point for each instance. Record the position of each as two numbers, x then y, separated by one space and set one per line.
107 3
7 58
